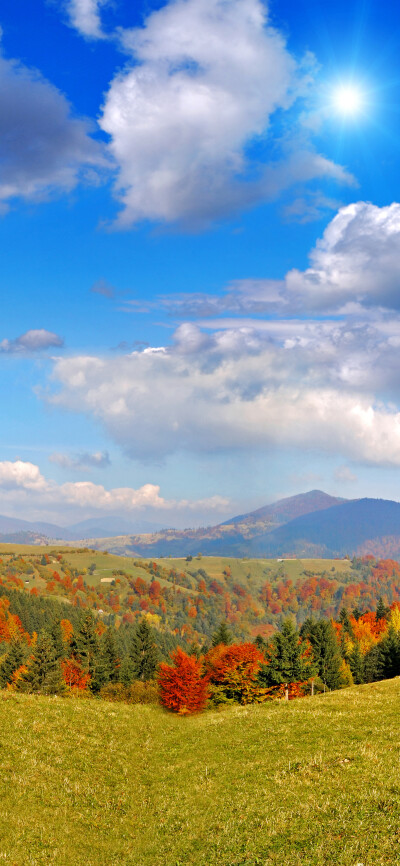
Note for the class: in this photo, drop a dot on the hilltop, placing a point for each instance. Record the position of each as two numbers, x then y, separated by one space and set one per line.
90 783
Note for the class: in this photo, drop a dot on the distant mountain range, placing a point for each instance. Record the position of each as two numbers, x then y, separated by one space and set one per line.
13 528
311 524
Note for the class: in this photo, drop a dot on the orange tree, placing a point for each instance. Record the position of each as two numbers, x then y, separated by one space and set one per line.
233 671
182 687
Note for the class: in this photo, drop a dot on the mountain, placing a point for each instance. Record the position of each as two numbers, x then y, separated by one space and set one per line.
311 524
15 530
112 524
287 509
12 525
346 527
240 536
357 526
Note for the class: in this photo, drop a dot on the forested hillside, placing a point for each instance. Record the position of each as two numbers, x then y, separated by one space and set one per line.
189 597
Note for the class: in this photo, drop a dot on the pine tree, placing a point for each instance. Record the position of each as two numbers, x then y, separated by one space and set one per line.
344 619
43 672
381 609
85 647
144 653
57 636
390 650
356 662
322 638
110 657
289 658
260 643
14 659
222 635
373 664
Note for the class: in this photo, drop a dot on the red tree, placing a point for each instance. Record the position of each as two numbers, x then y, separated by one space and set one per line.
182 687
235 668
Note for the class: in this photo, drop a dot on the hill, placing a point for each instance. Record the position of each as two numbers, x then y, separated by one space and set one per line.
89 783
189 597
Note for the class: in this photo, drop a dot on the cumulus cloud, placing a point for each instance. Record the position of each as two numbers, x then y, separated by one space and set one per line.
305 385
354 268
82 461
22 482
35 340
356 261
204 80
20 475
43 148
84 15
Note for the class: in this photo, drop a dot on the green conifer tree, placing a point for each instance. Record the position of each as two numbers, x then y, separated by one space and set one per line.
322 638
14 659
57 636
85 647
356 662
288 657
144 653
111 660
221 635
373 664
381 609
390 654
43 672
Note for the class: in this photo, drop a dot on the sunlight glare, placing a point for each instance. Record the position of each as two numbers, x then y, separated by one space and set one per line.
348 100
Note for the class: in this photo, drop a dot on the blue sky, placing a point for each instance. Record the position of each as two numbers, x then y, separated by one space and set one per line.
200 256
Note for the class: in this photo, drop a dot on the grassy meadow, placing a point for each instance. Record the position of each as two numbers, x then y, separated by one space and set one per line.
90 783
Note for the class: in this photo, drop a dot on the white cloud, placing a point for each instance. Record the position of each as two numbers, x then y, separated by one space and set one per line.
354 268
21 475
43 148
84 15
311 382
309 385
205 78
35 340
22 482
82 461
357 261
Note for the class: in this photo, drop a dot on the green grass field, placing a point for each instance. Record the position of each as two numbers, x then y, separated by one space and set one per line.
315 781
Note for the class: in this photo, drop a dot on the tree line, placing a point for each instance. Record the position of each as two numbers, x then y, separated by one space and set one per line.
137 663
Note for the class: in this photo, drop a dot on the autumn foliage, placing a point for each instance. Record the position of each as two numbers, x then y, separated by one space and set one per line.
182 686
235 668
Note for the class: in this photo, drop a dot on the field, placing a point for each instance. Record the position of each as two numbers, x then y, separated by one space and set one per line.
312 782
241 569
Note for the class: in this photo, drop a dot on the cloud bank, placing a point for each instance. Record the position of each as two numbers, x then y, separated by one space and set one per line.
22 483
324 376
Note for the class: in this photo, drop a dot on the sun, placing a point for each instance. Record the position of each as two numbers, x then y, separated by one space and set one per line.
348 99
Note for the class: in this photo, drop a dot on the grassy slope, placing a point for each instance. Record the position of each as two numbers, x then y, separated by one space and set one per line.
259 570
315 781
